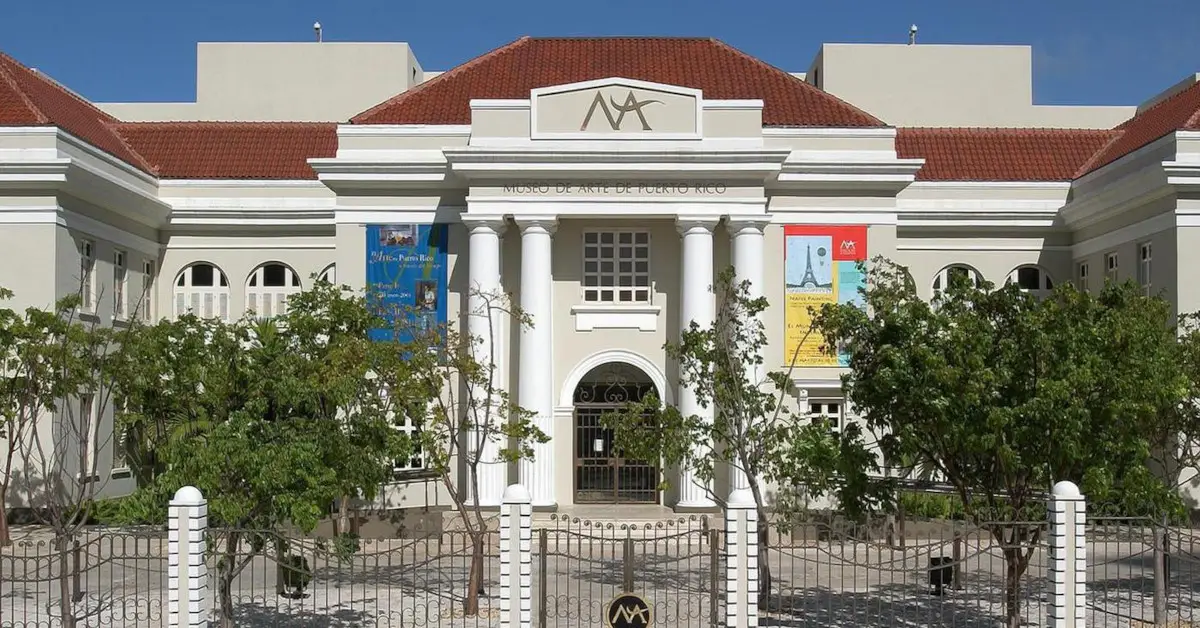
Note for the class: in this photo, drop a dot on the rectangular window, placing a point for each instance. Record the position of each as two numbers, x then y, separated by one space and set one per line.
87 432
616 267
87 275
119 461
1144 277
120 278
1081 277
1110 267
147 304
828 412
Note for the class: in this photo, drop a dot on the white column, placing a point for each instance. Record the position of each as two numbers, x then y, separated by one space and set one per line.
1068 556
483 325
535 391
187 573
747 233
516 558
697 305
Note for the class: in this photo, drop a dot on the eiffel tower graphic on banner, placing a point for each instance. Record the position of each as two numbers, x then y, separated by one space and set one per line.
809 281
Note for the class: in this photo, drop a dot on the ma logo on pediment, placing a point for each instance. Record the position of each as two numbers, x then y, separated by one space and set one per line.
631 104
615 106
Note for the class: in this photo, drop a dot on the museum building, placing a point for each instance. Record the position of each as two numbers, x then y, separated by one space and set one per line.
603 183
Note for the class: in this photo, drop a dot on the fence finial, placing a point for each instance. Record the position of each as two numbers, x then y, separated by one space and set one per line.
1066 489
188 496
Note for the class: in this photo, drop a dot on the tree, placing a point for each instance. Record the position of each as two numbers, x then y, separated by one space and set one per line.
754 433
59 382
471 421
289 415
1006 394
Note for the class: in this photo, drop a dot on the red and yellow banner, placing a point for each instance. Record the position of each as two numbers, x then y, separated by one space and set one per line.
820 266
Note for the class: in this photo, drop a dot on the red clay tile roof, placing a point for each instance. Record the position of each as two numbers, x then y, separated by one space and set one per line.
1179 112
719 70
231 150
999 154
29 98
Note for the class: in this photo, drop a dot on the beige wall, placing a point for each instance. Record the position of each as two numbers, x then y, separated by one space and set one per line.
309 81
947 85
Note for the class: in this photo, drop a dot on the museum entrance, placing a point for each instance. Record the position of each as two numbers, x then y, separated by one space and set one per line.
603 475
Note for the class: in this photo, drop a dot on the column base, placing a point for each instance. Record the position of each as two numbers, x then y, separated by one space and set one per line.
698 506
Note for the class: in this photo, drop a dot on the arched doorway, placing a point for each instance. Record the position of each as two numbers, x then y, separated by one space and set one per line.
602 474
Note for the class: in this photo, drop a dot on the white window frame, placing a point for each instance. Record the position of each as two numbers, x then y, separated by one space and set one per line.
329 275
821 409
120 284
270 301
120 457
1145 276
1082 281
147 302
601 287
87 426
87 274
942 279
416 462
1112 266
203 301
1044 280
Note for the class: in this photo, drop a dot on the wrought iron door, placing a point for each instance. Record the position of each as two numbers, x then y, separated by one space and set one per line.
602 474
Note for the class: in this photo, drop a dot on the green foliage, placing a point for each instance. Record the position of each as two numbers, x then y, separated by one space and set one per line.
1003 394
753 428
272 420
931 506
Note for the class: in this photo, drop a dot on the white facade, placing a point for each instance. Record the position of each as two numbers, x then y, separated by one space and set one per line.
607 225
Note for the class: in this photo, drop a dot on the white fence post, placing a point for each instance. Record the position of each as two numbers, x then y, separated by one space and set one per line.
187 573
516 558
1068 556
741 560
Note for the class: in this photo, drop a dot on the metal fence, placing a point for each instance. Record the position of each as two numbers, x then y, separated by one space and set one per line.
934 573
261 579
100 577
1141 572
579 566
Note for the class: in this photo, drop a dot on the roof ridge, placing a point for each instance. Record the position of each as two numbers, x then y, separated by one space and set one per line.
1172 98
116 131
441 78
1087 166
228 123
792 77
6 75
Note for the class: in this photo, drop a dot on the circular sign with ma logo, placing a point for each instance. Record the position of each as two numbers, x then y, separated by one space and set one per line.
627 610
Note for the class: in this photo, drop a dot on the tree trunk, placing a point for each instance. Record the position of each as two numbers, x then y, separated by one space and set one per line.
344 515
5 535
764 563
225 594
225 577
475 581
1014 567
66 596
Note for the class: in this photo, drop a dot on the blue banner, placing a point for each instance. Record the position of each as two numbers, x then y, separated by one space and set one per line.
406 277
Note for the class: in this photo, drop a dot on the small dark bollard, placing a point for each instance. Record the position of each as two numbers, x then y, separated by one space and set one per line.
941 573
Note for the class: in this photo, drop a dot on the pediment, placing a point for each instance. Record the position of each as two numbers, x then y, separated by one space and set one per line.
615 108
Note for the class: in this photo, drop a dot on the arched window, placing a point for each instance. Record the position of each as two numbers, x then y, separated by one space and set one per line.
1032 279
942 280
203 290
268 288
329 275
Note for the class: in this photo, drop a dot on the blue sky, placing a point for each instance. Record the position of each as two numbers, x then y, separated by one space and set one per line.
1085 52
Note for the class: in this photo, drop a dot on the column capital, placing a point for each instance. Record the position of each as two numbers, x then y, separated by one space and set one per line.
489 222
751 224
687 224
537 222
